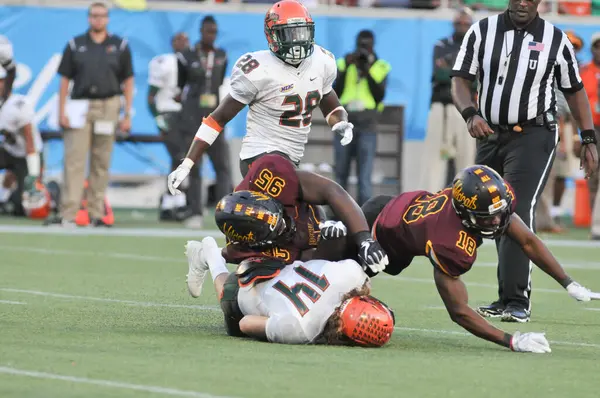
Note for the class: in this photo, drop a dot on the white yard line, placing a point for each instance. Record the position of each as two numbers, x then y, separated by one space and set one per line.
457 333
12 302
109 300
134 232
196 234
106 383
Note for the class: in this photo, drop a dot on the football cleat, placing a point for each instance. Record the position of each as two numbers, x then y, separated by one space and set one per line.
197 267
515 314
493 310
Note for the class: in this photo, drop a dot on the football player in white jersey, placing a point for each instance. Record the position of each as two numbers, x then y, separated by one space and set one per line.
281 86
7 62
163 90
318 301
21 146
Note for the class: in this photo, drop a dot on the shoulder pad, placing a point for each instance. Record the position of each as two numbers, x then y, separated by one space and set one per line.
258 269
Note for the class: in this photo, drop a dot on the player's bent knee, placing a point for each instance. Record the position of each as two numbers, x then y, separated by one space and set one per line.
229 305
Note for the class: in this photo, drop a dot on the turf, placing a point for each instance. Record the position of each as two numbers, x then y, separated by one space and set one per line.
115 309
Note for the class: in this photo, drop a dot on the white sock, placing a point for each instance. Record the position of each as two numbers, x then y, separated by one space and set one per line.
556 211
216 264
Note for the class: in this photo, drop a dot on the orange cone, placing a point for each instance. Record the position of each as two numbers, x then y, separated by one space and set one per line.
582 216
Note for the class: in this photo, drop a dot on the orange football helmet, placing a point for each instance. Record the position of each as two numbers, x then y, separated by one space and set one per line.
290 31
367 321
37 202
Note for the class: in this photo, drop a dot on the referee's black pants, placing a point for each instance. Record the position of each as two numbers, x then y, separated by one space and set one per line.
524 160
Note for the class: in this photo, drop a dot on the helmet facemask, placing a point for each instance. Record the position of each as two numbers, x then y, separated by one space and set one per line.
292 42
489 224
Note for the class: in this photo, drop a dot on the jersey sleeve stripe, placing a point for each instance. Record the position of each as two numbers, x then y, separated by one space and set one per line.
434 260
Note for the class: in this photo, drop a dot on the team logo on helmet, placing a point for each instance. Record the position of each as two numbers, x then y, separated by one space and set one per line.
460 197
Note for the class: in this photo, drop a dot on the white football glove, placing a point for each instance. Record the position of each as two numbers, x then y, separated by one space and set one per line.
530 342
175 179
332 230
345 130
578 292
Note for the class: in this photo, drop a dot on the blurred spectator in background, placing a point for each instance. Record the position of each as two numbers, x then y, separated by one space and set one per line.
590 74
202 71
549 212
447 136
360 84
10 67
164 102
20 149
99 64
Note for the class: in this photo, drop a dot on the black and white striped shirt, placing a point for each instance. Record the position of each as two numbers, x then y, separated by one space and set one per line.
517 67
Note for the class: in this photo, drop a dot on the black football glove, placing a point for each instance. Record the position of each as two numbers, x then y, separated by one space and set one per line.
370 253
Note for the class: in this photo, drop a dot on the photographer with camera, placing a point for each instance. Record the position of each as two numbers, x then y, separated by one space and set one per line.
360 84
446 136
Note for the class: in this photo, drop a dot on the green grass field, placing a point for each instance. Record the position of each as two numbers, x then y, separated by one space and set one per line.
109 316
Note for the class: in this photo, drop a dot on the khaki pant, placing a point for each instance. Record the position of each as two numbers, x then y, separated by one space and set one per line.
78 144
446 132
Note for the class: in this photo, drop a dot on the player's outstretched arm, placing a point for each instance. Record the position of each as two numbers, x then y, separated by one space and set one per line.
456 299
319 190
336 116
254 326
207 133
537 251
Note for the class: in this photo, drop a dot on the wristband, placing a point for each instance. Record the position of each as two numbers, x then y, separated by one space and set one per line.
566 282
360 237
588 137
209 130
187 163
507 341
468 113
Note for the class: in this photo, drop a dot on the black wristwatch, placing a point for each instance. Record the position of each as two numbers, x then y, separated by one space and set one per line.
468 113
588 137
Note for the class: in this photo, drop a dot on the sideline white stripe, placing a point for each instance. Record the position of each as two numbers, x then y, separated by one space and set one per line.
11 302
107 383
199 234
456 333
586 265
108 300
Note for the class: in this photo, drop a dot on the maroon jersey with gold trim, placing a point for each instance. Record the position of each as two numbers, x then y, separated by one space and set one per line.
420 223
276 177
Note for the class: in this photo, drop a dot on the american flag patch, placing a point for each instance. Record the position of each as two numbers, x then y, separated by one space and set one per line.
535 46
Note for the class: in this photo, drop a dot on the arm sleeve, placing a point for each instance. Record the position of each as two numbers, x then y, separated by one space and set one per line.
285 329
467 61
450 260
6 53
242 89
126 63
567 71
66 67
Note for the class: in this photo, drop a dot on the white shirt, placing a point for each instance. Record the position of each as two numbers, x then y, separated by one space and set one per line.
281 99
16 113
300 300
162 73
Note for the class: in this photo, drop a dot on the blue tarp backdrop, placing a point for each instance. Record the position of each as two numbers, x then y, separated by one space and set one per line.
39 36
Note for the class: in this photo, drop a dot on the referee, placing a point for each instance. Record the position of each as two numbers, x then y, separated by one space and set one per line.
517 57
